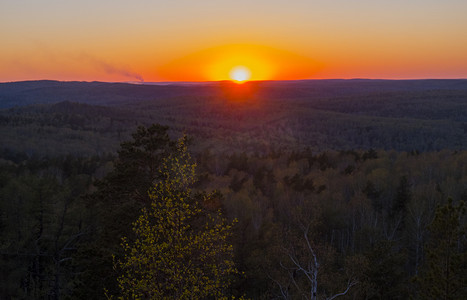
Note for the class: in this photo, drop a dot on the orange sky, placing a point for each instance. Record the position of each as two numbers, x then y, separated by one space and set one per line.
215 64
188 40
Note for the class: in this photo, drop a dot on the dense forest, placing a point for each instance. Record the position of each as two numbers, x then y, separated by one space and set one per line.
60 118
311 189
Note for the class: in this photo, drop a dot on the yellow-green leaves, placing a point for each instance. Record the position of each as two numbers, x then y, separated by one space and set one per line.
180 251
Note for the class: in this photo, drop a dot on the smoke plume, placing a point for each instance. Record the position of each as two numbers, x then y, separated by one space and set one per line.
111 69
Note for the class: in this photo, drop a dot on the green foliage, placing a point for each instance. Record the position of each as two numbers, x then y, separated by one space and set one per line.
179 252
117 202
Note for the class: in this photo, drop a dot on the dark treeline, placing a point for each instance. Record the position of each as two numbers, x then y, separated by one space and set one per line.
372 224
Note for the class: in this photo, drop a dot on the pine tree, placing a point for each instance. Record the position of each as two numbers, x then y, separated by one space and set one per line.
116 203
446 263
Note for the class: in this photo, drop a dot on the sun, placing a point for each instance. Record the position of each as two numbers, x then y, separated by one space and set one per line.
240 74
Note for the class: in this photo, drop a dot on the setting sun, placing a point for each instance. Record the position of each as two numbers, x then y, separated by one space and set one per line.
240 74
218 63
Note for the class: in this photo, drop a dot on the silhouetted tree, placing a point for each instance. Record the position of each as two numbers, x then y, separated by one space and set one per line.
116 203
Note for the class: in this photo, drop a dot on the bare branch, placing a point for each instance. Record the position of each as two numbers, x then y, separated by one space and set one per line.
350 284
311 249
283 290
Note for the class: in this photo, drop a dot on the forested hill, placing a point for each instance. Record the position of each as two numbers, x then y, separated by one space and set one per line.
49 91
102 93
86 118
364 181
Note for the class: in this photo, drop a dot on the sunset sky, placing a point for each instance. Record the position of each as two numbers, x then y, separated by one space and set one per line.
186 40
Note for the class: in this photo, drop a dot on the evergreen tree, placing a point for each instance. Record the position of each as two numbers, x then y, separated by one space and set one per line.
403 196
116 203
385 275
445 275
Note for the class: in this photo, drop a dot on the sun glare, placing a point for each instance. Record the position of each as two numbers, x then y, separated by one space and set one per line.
240 74
238 63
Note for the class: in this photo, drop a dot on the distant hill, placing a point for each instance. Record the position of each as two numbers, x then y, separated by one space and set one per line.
52 117
101 93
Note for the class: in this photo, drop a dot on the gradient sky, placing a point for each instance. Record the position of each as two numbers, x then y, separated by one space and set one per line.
154 40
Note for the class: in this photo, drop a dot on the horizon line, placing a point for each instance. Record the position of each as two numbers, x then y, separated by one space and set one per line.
134 82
